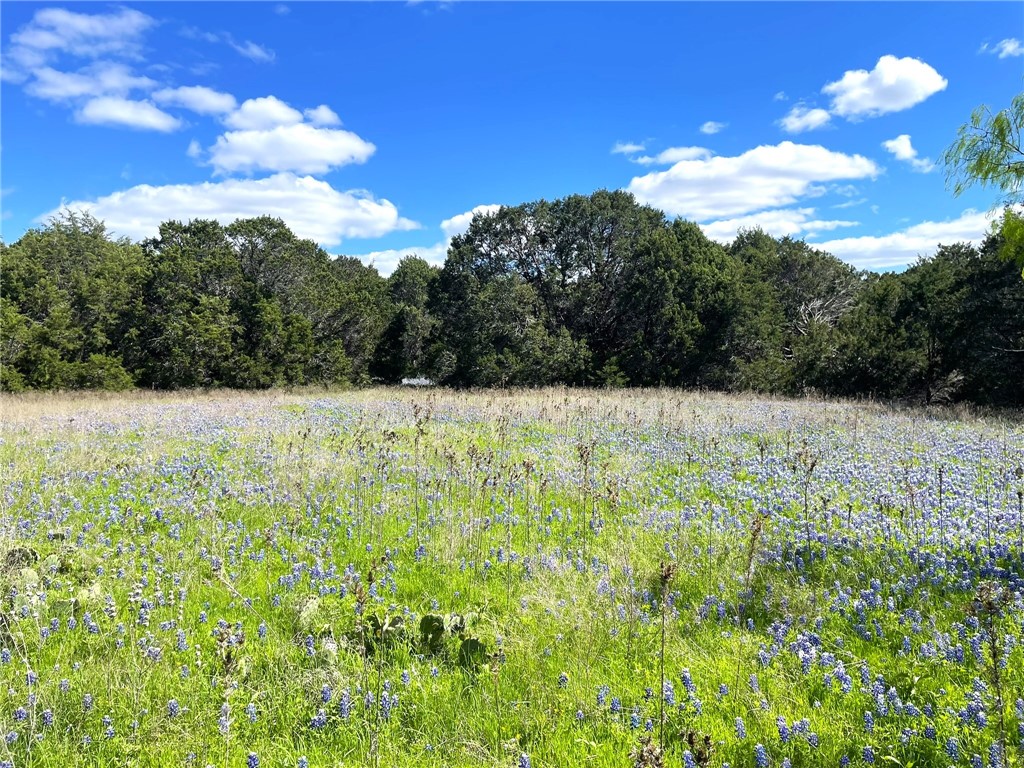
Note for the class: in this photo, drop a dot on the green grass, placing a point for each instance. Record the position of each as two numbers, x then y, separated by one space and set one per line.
544 518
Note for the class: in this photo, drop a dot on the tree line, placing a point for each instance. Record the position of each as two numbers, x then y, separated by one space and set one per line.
591 290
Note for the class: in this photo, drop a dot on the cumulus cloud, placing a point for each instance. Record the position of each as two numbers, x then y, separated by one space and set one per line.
385 261
800 119
113 110
262 113
901 149
311 207
53 31
626 148
892 86
1004 49
103 78
768 176
783 222
197 98
457 225
322 115
901 248
675 155
711 127
302 148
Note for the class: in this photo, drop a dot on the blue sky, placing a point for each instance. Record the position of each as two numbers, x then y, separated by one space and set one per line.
377 128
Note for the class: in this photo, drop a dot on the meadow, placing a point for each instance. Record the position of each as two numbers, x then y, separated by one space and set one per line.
549 578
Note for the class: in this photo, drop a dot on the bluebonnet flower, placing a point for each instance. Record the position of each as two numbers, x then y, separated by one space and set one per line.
868 754
760 756
345 704
173 709
563 680
688 682
780 723
252 761
319 720
668 691
387 704
741 728
250 711
524 760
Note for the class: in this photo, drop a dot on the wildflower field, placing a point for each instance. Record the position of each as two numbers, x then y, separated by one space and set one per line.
552 578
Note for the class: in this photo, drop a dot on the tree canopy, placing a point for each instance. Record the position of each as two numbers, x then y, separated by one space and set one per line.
585 290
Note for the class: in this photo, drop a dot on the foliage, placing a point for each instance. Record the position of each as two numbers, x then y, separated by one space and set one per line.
586 290
989 152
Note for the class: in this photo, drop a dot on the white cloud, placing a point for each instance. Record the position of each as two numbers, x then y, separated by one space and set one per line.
780 96
302 148
194 33
385 261
904 246
102 78
53 31
626 148
675 155
892 86
262 113
711 127
458 225
764 177
312 208
851 203
114 110
194 149
777 223
252 51
1004 49
322 115
197 98
800 119
902 149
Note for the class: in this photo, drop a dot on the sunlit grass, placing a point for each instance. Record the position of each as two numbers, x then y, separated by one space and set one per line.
234 553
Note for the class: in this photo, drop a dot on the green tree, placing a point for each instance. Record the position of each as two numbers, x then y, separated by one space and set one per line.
988 152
